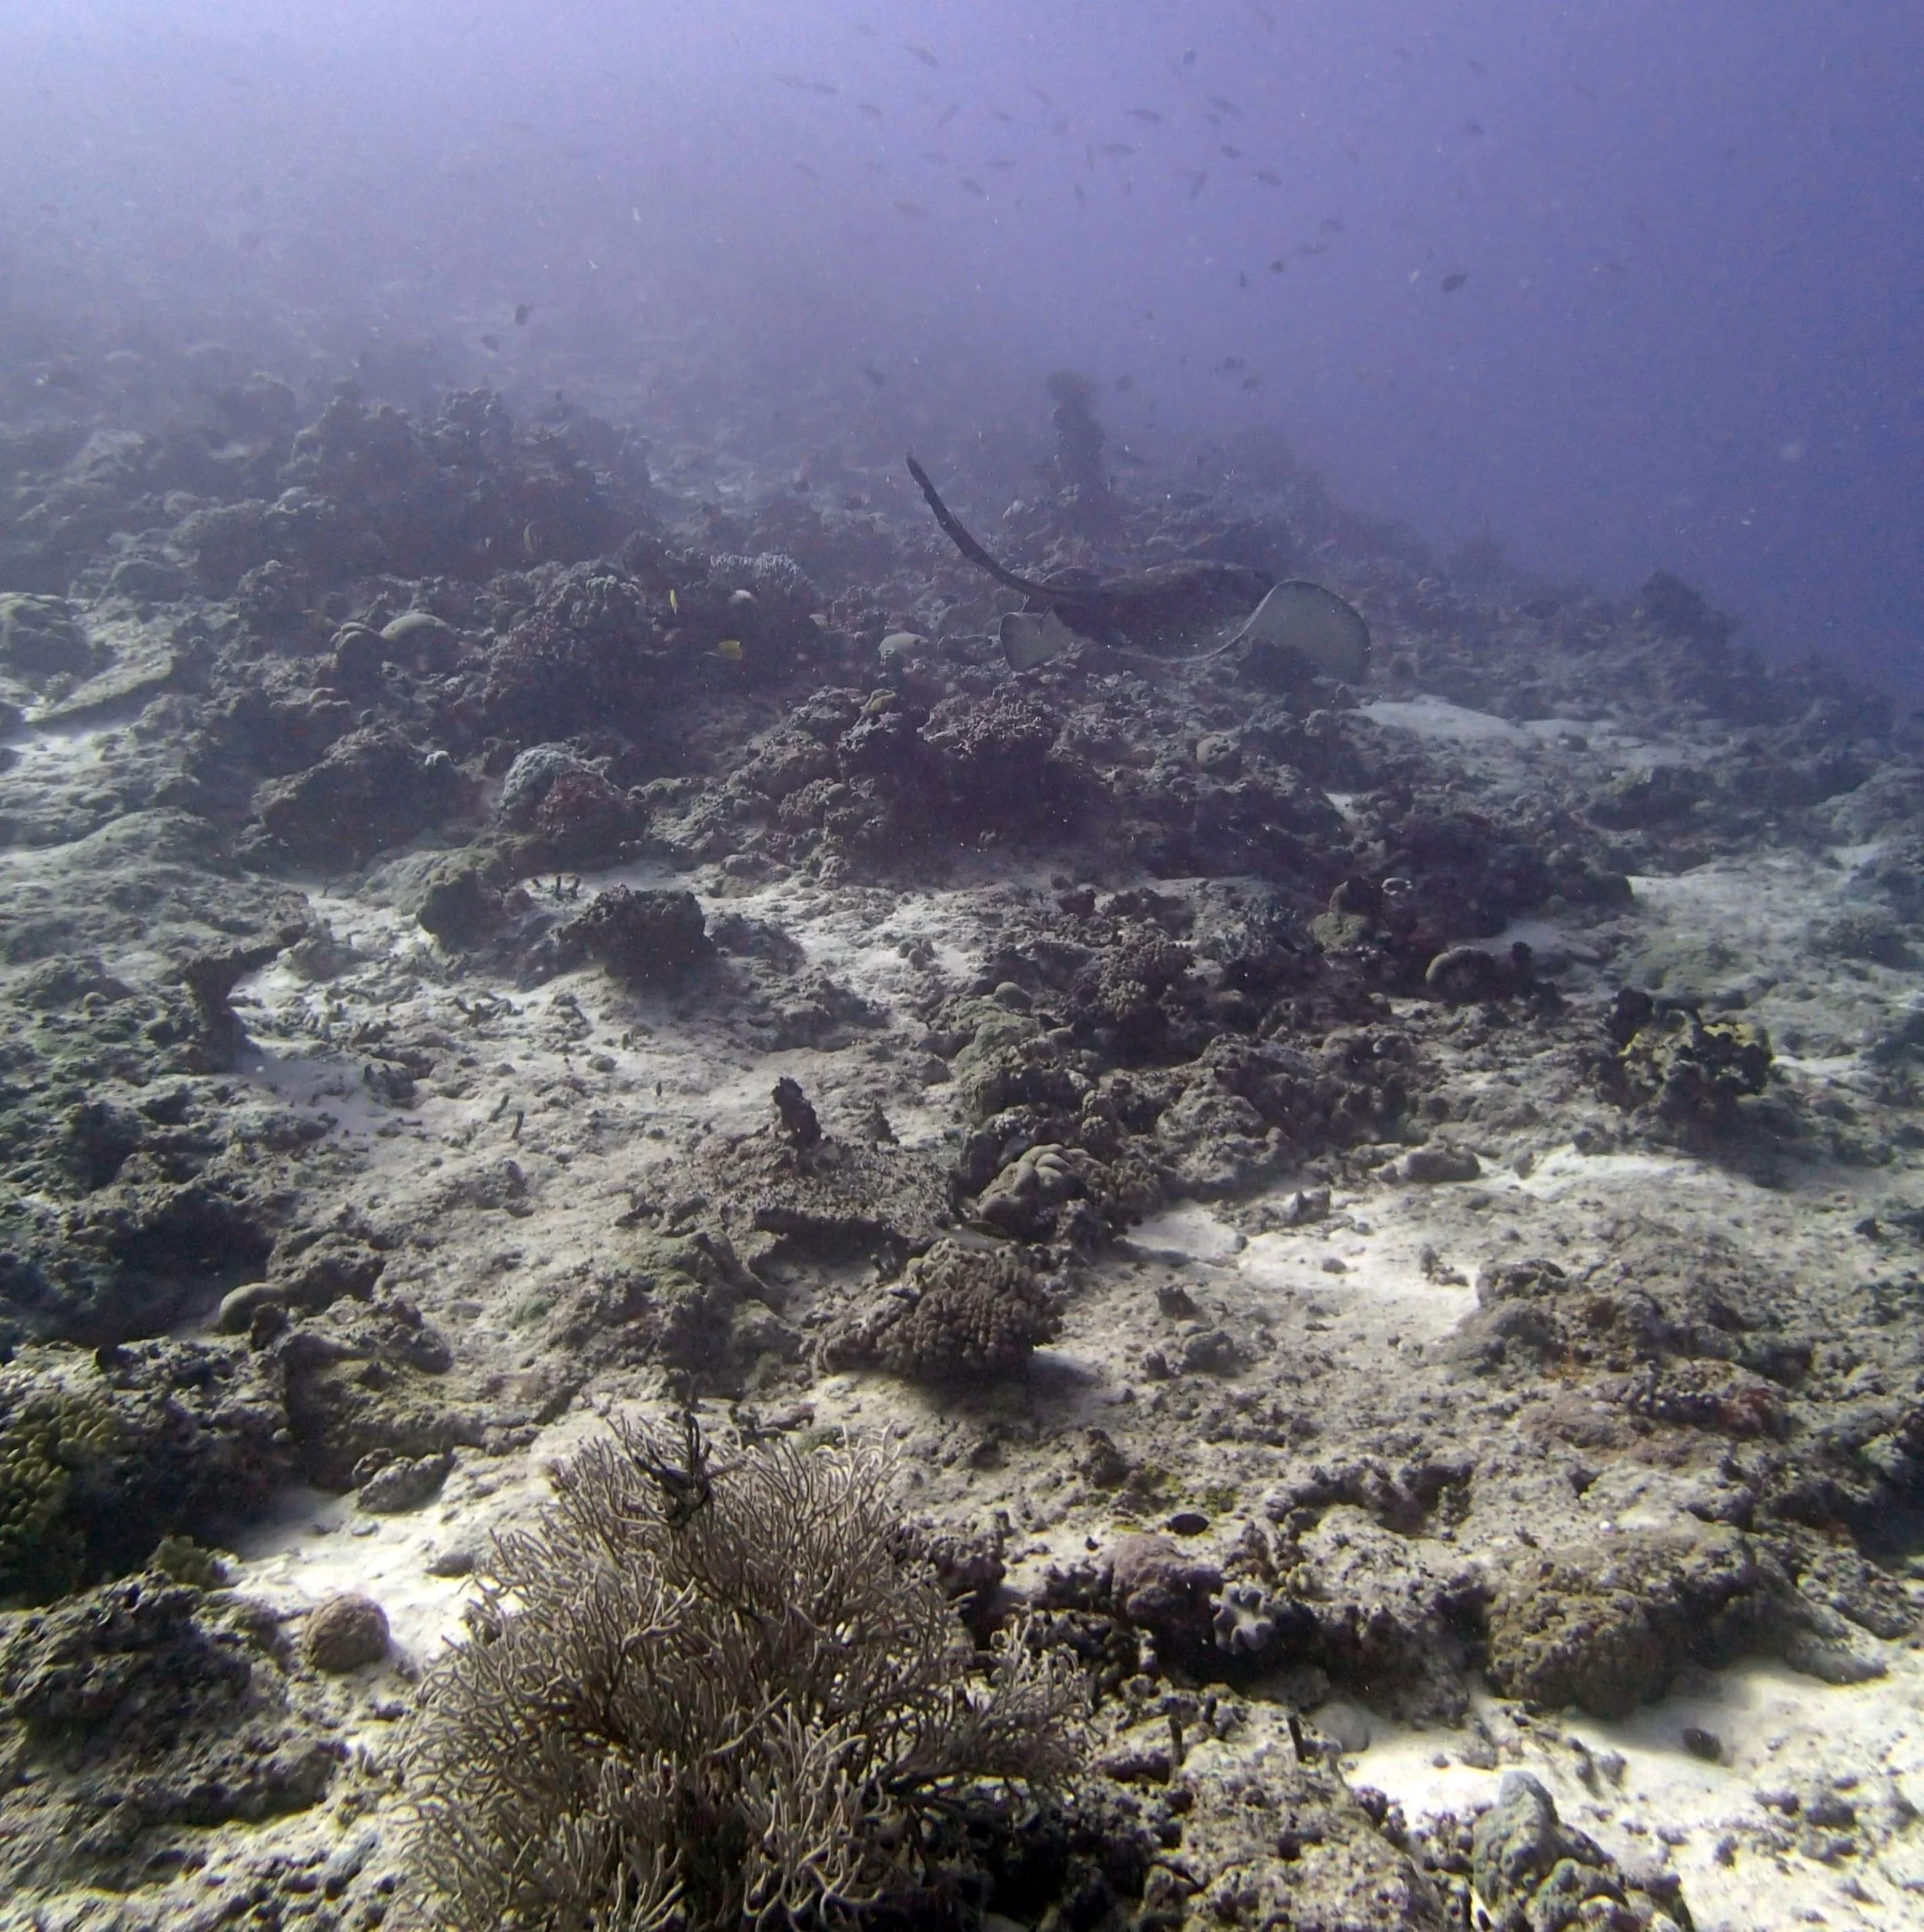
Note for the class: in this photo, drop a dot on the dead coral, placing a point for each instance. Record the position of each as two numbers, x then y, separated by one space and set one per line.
1607 1627
1686 1066
712 1698
957 1314
646 939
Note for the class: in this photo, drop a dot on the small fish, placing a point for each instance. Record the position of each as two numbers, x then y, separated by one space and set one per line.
1252 381
1242 280
491 343
1231 363
731 649
875 375
1225 106
1312 248
1278 266
251 240
1148 116
1229 153
913 210
873 112
812 174
921 53
1004 115
523 310
823 87
1189 57
1269 177
1472 127
674 603
787 80
1197 178
1330 225
1588 93
1454 281
1125 383
975 188
1121 147
1476 67
1043 95
1060 125
530 539
947 114
1001 164
1082 193
933 156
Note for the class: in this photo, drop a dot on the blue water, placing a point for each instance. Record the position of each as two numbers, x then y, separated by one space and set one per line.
1618 285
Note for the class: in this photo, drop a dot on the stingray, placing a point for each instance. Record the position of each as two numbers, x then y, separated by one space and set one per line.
1165 609
1190 609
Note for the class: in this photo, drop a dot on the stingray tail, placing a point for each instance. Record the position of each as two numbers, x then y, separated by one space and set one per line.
971 549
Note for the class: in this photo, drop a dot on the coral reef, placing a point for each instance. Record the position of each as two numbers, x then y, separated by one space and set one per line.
958 1314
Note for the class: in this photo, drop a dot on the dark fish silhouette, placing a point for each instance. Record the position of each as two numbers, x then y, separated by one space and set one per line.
1269 177
491 343
947 114
1148 116
875 375
1162 604
1454 281
922 54
523 310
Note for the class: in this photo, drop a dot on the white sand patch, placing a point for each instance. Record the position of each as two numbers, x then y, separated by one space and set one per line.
1438 718
315 1544
1749 1863
1186 1233
1377 1281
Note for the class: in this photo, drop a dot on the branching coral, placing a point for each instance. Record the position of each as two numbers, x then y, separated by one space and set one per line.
711 1697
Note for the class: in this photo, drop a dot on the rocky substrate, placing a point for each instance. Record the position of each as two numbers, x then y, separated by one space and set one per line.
1374 1214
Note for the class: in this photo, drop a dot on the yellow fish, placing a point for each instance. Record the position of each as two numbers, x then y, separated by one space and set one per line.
674 603
731 649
